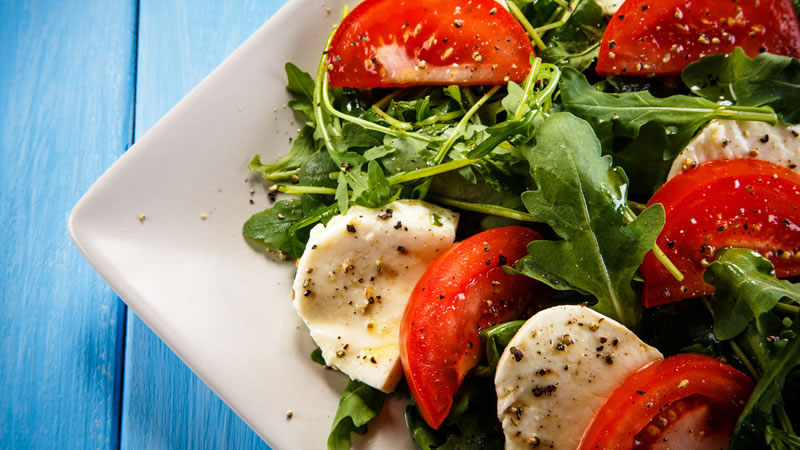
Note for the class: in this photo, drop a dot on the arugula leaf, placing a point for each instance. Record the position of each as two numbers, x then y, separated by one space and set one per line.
358 405
624 114
272 228
745 287
646 169
495 339
779 439
538 12
758 412
583 198
649 131
316 356
317 169
301 86
302 149
284 227
577 42
470 425
767 79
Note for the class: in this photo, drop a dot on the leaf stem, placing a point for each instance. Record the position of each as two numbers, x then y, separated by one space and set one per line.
281 176
295 189
492 210
318 86
391 120
759 114
431 170
785 308
665 261
657 252
568 10
462 124
745 360
529 82
439 118
783 418
326 102
517 13
389 97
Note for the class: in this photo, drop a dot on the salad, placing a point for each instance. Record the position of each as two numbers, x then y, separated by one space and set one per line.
551 223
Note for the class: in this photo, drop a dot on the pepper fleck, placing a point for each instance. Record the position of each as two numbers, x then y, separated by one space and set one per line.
351 228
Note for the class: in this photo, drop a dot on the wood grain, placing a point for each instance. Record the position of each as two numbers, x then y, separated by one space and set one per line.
66 91
164 404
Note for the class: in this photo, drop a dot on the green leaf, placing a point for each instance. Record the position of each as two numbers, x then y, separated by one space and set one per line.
623 115
453 92
316 356
583 198
316 171
495 339
302 149
580 58
577 42
425 437
745 287
758 412
513 98
501 132
358 405
378 152
767 79
423 109
272 228
378 184
301 86
470 425
779 439
646 169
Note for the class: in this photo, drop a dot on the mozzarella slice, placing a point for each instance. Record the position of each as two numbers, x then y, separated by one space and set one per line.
609 6
557 372
354 279
735 139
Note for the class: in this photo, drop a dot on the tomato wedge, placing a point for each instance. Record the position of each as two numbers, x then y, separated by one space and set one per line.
463 290
384 43
743 203
661 37
684 401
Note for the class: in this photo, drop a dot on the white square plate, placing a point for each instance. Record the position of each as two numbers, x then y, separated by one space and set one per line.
222 305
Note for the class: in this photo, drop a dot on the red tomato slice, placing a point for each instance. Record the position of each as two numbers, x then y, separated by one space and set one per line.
661 37
462 291
690 397
384 43
742 203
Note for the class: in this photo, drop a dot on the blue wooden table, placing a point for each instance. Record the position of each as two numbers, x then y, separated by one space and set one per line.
79 83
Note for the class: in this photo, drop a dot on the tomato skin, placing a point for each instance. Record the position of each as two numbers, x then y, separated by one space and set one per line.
651 37
439 341
385 43
660 384
741 203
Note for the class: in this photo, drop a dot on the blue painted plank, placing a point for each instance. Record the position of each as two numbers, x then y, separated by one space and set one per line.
164 404
66 90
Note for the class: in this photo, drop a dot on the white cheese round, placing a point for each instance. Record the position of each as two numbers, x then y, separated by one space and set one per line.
734 139
609 6
557 372
354 279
